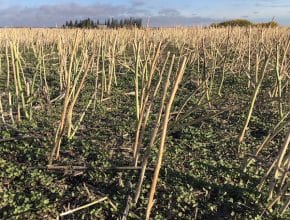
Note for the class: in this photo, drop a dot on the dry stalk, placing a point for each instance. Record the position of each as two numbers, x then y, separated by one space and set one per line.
154 132
163 137
254 97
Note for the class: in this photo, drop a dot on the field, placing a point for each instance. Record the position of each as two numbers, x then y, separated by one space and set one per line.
180 123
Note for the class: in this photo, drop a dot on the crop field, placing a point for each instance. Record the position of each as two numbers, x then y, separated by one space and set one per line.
169 123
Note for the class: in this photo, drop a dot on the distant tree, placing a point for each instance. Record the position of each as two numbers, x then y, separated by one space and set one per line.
70 24
110 23
244 23
233 23
76 23
121 23
87 23
271 24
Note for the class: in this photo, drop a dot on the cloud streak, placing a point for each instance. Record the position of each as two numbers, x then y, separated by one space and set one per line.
178 20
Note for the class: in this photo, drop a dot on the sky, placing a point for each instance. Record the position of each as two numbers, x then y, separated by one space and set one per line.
43 13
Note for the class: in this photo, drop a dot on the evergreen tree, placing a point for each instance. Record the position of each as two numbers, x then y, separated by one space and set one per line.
110 23
70 24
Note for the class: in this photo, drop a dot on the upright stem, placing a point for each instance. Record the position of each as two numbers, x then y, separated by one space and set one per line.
163 137
254 97
137 61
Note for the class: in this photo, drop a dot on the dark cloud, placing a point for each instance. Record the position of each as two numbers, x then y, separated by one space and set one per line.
270 4
261 3
169 12
137 3
170 21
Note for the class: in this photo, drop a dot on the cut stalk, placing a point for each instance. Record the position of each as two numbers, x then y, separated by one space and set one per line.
163 138
154 132
254 97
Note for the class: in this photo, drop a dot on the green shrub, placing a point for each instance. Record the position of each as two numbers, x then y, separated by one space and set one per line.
233 23
244 23
271 24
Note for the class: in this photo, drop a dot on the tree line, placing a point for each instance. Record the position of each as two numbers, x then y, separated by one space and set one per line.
244 23
109 23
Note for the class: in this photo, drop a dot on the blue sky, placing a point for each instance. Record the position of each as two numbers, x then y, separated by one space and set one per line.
160 12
